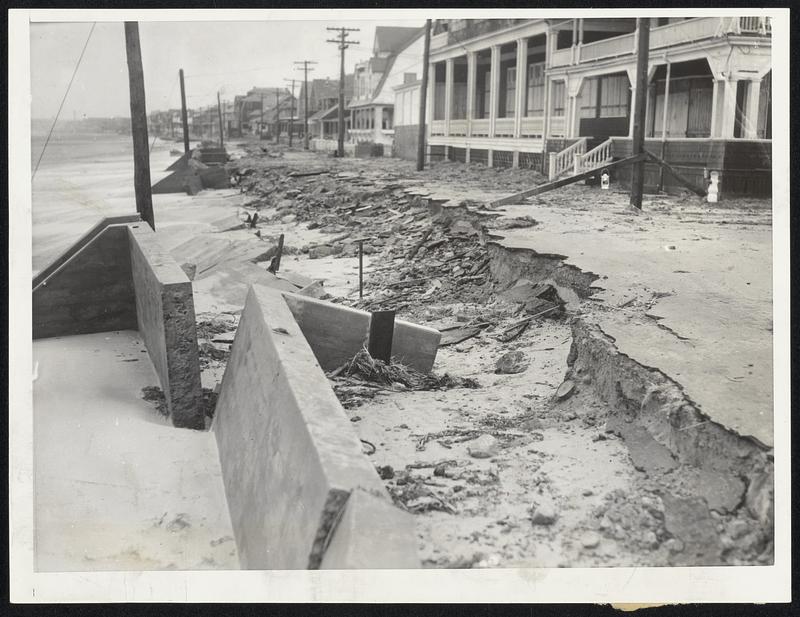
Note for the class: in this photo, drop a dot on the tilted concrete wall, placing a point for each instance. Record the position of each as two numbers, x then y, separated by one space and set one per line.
90 290
290 458
166 322
336 333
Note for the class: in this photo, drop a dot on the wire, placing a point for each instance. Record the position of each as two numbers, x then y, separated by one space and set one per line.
63 100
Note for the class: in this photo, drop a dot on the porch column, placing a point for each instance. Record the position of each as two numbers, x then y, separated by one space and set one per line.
471 64
377 128
580 41
573 90
714 108
574 40
494 88
727 108
448 94
633 102
751 109
431 102
522 78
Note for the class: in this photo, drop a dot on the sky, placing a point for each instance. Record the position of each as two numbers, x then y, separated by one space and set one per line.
231 57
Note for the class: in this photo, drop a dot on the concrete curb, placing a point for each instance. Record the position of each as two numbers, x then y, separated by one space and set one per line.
289 456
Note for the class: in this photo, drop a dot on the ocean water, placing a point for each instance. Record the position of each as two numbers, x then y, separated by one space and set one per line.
65 148
81 179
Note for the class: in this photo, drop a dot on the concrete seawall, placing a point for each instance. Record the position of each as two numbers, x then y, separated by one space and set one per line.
118 277
90 291
166 321
293 468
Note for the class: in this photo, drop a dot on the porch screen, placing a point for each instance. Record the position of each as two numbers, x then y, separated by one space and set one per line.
614 96
558 98
535 103
511 89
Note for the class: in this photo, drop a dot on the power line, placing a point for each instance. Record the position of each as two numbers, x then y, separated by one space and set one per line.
63 100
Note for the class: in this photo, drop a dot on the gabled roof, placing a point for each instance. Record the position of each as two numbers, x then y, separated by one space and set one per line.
392 39
325 114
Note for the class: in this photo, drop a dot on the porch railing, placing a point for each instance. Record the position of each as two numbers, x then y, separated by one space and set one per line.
559 162
437 127
458 127
594 158
755 25
439 40
667 35
686 31
615 46
561 57
504 127
532 126
557 125
480 127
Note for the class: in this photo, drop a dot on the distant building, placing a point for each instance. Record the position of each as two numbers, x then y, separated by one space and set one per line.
538 92
323 106
396 52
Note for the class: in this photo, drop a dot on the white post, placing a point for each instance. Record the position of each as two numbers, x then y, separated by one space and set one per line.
714 108
494 88
666 104
728 119
633 98
751 109
521 86
471 63
448 94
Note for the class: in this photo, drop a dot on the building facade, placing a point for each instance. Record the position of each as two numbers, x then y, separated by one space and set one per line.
555 94
397 52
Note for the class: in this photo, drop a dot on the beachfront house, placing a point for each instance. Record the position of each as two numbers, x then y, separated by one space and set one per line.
396 52
557 94
323 106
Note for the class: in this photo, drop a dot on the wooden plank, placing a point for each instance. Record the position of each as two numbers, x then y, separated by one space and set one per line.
675 174
543 188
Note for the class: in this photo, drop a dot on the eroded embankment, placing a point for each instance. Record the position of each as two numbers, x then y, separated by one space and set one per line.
716 485
703 465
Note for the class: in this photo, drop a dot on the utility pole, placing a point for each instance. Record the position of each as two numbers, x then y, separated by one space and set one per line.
291 115
343 44
277 115
261 121
423 98
219 112
184 115
141 149
305 64
639 109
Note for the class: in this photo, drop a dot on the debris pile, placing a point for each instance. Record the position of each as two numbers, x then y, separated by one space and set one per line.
363 376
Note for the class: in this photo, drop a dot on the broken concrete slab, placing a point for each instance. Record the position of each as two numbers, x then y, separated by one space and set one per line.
166 320
336 333
731 383
290 458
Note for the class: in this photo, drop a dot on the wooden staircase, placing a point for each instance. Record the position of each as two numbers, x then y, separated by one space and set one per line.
576 160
